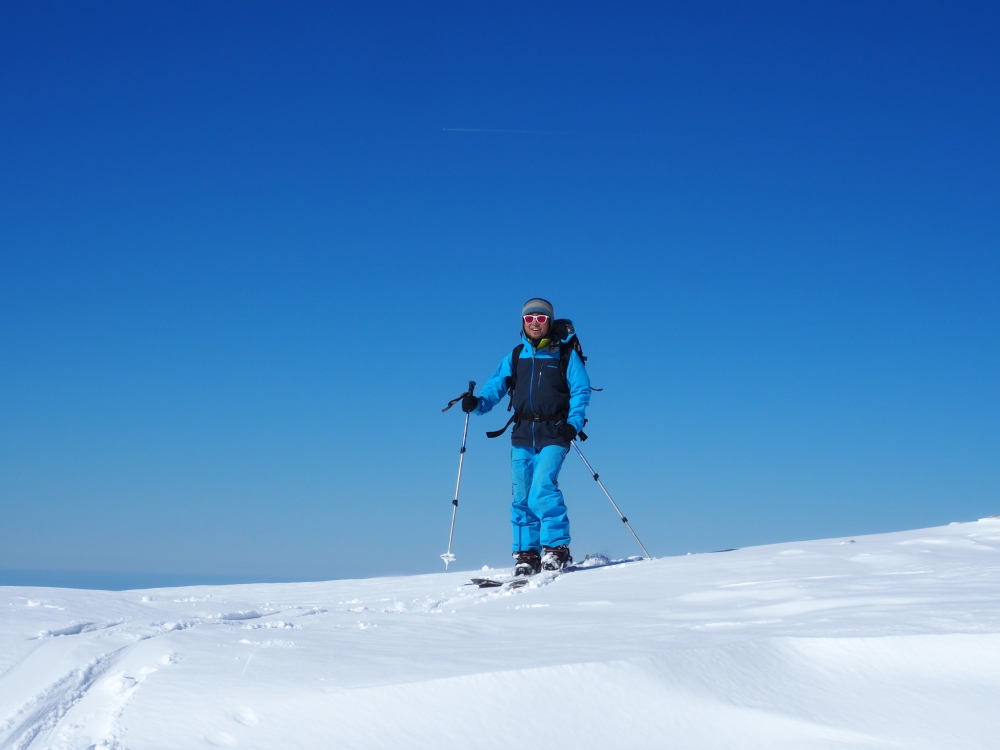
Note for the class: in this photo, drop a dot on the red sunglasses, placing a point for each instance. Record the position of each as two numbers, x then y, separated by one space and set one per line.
536 318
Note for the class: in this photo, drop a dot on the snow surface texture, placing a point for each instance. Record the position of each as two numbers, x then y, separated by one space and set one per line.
887 641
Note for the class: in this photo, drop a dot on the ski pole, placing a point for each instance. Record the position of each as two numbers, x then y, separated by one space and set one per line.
447 556
597 479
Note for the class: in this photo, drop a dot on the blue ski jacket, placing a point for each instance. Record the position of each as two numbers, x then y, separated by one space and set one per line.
541 389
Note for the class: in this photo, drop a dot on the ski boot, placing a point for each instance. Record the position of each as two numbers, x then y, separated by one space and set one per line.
556 558
528 562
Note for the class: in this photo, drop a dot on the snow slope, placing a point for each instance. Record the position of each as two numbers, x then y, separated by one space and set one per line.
889 641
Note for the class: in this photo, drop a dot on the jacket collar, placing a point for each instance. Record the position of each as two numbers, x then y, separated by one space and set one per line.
529 346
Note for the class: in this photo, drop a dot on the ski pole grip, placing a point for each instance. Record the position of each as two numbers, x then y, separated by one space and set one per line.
472 386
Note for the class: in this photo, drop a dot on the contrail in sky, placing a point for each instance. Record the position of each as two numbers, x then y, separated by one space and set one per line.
498 130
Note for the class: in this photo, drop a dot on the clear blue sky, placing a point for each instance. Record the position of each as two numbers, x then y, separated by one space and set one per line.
248 251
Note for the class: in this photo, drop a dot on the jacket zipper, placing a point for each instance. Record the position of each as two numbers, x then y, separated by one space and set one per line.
531 400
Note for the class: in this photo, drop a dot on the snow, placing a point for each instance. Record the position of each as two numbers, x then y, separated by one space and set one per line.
883 641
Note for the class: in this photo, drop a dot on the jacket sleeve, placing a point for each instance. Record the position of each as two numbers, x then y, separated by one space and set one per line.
579 391
496 387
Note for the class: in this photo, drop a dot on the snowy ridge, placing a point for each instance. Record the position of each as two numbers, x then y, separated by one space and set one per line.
882 641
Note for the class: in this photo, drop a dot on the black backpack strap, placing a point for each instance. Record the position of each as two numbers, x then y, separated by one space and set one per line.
566 350
502 430
525 416
515 357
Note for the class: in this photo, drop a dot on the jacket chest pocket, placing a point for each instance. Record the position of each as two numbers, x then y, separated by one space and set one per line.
549 378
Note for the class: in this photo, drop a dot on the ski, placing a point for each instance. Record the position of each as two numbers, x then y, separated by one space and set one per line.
589 561
515 583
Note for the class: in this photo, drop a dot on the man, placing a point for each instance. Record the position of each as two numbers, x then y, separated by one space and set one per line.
550 390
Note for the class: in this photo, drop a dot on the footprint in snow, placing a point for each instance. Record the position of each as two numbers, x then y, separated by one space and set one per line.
246 717
120 683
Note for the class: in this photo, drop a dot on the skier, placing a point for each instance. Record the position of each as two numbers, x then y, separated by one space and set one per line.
550 390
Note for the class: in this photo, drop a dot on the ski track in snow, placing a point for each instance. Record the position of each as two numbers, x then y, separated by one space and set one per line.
883 641
44 710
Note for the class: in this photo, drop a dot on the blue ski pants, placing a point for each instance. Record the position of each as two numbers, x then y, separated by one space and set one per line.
538 513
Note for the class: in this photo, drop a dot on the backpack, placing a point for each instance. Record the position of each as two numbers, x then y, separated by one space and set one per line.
561 329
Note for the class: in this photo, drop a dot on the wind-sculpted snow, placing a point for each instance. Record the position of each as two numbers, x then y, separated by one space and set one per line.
247 615
873 642
76 628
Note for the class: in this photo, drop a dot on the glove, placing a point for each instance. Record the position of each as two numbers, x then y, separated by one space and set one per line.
568 432
469 403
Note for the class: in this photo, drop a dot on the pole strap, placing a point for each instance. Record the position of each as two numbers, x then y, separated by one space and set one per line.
455 400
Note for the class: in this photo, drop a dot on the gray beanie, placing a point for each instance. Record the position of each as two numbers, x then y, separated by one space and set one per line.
539 306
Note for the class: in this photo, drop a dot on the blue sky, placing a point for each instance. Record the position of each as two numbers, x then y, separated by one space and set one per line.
248 251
